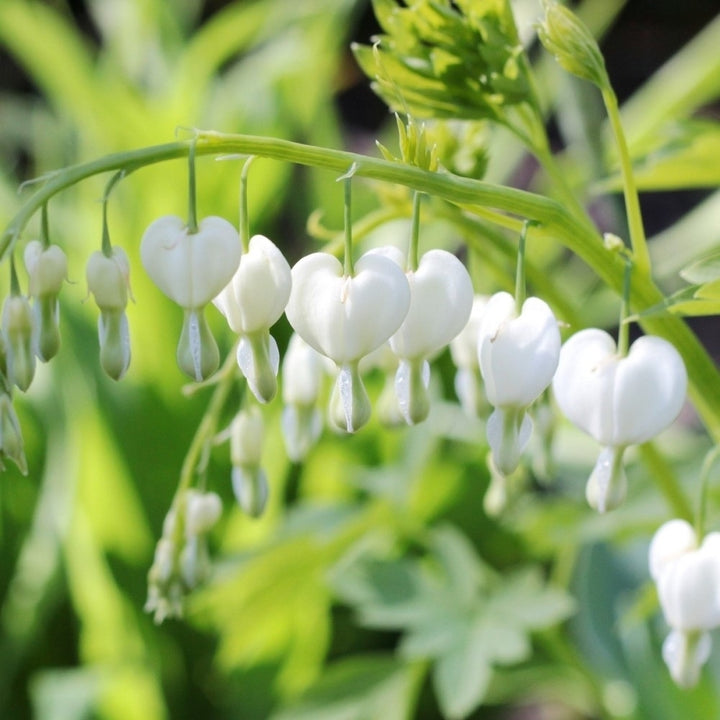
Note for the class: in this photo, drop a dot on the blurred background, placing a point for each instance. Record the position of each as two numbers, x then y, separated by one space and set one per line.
83 79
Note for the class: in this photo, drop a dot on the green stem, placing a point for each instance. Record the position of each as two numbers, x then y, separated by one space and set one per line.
14 282
207 428
349 269
641 256
244 215
520 268
192 225
413 259
709 461
557 224
106 244
624 326
44 227
664 477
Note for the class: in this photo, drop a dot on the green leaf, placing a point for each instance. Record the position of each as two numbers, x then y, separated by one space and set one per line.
461 676
524 600
703 271
371 686
686 155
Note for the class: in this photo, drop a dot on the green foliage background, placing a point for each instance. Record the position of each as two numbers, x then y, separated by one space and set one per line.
379 584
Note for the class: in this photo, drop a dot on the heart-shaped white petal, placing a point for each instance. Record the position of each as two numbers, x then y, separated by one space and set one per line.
671 540
689 589
441 297
257 294
190 268
518 353
619 400
347 317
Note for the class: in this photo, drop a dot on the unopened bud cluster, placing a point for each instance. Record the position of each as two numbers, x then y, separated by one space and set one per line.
181 561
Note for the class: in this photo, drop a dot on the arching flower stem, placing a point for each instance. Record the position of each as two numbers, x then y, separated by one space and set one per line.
707 465
558 224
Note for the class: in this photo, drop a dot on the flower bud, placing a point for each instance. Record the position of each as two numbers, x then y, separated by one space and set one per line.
108 279
46 267
302 374
18 331
247 434
197 354
250 487
202 511
47 271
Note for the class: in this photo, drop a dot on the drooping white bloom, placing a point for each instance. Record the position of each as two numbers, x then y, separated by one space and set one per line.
464 352
441 296
619 401
302 373
687 575
108 279
252 302
346 317
191 268
518 355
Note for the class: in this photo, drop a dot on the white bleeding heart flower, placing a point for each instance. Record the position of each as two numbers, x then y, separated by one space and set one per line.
518 355
346 317
687 575
108 279
302 371
617 400
252 301
464 352
671 540
441 297
620 400
191 268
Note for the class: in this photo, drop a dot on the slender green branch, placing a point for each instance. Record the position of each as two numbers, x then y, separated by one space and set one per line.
707 465
556 224
349 269
412 258
244 215
208 425
641 256
666 480
623 326
192 225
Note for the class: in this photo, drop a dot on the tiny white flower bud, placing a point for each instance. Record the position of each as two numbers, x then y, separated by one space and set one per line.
46 267
108 279
18 333
202 512
247 434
